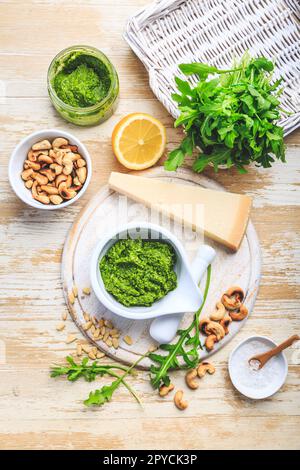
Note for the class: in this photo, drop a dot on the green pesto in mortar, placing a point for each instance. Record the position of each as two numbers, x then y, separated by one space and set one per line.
139 272
83 81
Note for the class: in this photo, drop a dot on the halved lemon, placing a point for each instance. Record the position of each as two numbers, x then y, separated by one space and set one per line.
139 141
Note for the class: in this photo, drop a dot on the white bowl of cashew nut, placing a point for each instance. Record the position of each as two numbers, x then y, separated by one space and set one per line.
50 169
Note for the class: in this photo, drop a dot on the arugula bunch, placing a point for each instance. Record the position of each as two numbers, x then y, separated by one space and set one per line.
74 371
230 117
186 348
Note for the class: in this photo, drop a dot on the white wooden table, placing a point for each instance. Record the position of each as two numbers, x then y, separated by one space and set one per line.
37 412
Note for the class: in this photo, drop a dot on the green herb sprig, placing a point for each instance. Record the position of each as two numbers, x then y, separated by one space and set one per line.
186 347
98 397
231 118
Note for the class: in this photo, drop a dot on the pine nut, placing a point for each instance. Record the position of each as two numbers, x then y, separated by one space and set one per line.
71 298
87 326
60 326
70 339
128 340
75 291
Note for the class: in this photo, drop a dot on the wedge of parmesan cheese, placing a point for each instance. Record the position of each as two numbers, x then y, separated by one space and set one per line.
224 215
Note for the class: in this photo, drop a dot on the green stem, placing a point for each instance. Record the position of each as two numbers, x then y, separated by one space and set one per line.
129 388
165 367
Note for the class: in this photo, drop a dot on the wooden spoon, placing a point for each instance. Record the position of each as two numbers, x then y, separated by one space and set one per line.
264 357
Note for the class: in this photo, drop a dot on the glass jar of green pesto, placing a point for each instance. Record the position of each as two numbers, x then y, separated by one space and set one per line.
83 85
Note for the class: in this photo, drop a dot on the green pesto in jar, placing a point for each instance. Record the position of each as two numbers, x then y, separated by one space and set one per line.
83 81
139 272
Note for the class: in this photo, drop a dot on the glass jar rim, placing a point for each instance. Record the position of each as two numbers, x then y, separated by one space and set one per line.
107 62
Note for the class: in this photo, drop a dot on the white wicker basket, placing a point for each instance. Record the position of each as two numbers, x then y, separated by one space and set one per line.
169 32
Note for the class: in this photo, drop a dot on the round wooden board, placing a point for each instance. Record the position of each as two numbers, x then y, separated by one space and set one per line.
102 213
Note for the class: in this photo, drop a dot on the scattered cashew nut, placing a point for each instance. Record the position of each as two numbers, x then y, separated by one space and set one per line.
225 322
233 298
190 379
210 342
165 389
240 315
219 312
203 324
215 329
205 367
178 400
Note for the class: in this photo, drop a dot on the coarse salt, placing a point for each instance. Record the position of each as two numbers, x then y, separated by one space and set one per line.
249 375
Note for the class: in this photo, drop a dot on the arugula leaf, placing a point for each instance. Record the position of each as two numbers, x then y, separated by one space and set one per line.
231 117
177 156
99 397
202 70
89 372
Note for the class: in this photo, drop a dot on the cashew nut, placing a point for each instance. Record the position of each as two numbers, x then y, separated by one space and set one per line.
59 141
233 298
57 168
65 192
41 179
203 324
178 400
31 156
69 181
165 389
81 173
215 329
240 315
26 174
219 313
68 168
67 159
55 199
35 166
60 179
45 159
49 174
225 322
210 342
75 188
73 148
80 163
29 184
205 367
76 181
190 379
36 153
42 199
34 189
76 157
42 145
49 189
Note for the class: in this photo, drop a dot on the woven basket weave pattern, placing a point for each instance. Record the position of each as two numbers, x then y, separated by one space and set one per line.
168 32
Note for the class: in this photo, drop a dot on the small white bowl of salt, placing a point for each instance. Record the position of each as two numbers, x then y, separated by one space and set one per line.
247 378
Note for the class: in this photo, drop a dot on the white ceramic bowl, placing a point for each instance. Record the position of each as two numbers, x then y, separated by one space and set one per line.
274 380
19 155
173 301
